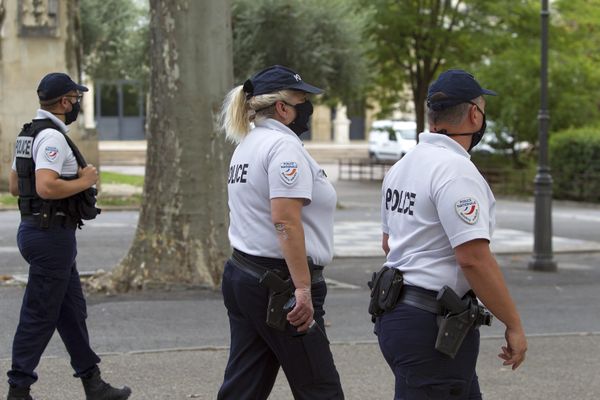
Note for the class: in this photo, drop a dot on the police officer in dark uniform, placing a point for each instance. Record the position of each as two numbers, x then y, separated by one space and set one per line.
55 190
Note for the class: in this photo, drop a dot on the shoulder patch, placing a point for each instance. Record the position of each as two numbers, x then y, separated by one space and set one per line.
289 172
468 210
51 153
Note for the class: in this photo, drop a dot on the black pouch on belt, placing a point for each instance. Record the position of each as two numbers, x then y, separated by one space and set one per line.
386 286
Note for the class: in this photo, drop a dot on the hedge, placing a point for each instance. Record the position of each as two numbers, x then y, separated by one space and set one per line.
575 162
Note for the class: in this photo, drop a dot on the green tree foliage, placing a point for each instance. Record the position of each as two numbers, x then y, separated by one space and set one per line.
414 40
116 39
513 67
320 39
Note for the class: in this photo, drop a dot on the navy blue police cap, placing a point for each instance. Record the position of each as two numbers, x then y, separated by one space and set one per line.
56 84
275 78
458 86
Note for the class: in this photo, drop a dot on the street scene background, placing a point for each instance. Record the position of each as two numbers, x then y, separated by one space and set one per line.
158 72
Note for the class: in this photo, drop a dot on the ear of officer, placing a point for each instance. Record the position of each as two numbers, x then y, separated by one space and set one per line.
286 113
471 123
446 100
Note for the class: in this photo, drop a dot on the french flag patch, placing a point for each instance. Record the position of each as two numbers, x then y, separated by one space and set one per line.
468 210
51 153
289 171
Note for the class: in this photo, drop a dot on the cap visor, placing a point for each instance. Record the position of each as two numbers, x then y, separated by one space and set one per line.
489 92
81 88
305 87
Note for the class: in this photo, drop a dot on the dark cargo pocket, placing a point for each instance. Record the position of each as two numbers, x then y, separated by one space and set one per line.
432 388
313 361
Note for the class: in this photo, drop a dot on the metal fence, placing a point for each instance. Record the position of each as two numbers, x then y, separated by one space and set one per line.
503 181
363 169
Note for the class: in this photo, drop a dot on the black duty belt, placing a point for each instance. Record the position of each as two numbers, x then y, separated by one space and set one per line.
257 266
54 220
420 298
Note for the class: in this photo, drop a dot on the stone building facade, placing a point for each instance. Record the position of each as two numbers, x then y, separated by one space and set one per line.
36 37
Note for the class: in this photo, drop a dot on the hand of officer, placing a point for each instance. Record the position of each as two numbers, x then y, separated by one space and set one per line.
89 174
302 314
516 346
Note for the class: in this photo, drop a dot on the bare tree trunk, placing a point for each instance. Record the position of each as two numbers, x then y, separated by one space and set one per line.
181 237
419 97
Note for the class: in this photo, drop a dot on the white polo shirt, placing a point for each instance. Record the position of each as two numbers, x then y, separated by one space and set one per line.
269 163
433 200
50 149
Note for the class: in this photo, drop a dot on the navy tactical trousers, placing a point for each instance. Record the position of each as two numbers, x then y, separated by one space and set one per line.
407 338
257 351
53 300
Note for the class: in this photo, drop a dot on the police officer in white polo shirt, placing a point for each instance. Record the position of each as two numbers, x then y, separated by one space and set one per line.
281 230
437 220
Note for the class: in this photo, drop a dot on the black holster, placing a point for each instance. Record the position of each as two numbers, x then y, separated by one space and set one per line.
281 294
461 315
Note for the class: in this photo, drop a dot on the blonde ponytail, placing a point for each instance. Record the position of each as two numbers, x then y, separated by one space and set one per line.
237 111
235 119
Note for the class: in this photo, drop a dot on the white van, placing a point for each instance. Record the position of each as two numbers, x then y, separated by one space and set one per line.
390 140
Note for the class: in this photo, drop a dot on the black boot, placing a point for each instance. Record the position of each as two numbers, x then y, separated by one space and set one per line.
96 389
18 394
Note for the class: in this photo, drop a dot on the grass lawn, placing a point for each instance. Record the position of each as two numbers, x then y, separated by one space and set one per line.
113 201
106 177
115 177
7 199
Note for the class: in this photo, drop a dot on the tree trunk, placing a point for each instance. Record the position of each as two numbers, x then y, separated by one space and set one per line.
181 237
419 97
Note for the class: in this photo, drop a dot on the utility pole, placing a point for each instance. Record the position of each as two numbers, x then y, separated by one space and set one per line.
542 258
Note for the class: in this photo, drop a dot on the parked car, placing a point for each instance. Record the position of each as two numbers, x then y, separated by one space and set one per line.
498 142
390 140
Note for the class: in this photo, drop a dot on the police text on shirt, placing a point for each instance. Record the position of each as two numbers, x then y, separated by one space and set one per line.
401 201
237 173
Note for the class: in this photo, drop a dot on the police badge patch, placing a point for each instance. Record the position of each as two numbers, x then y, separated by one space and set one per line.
468 210
289 172
51 153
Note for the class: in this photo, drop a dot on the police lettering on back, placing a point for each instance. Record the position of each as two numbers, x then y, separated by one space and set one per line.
237 173
401 201
24 146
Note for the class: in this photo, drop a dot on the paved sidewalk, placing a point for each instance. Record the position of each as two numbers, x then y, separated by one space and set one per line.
557 368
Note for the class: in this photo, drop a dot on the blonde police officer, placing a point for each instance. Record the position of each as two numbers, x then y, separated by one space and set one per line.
281 211
437 220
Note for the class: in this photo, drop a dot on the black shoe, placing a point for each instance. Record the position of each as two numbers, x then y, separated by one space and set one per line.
96 389
18 394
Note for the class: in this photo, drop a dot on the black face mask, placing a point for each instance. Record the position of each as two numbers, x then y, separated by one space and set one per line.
303 112
71 116
476 136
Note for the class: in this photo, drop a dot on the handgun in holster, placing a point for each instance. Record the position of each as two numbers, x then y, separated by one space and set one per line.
281 297
460 316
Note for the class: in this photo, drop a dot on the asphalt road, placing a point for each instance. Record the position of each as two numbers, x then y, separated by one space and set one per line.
550 303
103 242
